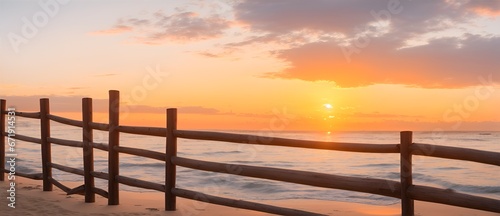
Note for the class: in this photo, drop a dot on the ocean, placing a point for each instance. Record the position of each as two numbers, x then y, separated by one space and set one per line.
467 177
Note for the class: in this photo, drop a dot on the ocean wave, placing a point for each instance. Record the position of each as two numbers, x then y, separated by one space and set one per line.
449 168
246 162
487 189
155 165
259 186
380 165
467 139
27 170
222 152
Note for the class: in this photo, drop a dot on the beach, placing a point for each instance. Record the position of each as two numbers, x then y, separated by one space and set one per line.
371 108
31 200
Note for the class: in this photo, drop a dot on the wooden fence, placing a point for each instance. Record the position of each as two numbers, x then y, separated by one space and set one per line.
404 189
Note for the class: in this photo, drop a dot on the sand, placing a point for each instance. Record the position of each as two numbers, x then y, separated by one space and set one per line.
31 200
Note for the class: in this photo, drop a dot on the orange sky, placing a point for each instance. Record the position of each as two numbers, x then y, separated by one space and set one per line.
259 65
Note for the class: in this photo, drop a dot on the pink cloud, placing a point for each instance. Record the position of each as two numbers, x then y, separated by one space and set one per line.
161 28
440 64
118 29
485 7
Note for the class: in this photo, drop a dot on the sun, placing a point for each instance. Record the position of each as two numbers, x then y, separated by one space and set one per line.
328 106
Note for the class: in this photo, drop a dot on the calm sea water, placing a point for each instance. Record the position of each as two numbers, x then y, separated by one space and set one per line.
468 177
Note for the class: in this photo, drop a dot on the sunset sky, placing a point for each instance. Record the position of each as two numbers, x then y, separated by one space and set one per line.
259 64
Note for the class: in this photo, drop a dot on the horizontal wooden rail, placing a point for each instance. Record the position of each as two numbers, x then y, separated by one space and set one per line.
238 203
101 175
140 183
449 197
142 152
34 176
33 115
100 146
449 152
368 185
67 169
66 121
26 138
273 141
65 142
151 131
99 126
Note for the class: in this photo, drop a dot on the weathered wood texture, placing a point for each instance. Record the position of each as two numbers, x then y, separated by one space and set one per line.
65 121
149 131
46 146
65 142
367 185
450 197
456 153
140 183
407 204
141 152
101 175
34 176
59 185
273 141
32 115
101 192
101 146
28 139
114 140
88 150
171 152
238 203
99 126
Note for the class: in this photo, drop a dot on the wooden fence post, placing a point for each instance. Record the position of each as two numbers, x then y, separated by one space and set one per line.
113 154
171 151
407 207
3 107
88 151
46 146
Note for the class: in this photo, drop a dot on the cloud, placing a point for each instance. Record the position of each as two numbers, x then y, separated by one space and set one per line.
291 15
159 28
106 75
218 53
485 7
423 43
443 63
345 17
198 110
383 115
117 29
209 54
189 26
76 88
359 43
